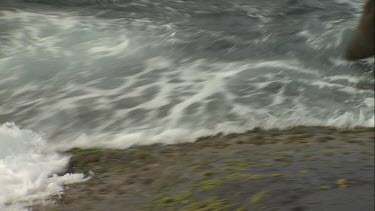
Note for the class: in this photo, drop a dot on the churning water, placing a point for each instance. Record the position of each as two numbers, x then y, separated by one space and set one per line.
114 73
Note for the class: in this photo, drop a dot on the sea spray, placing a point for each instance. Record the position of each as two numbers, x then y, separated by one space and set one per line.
28 168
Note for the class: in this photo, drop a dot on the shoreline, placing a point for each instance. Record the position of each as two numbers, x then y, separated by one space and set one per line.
301 168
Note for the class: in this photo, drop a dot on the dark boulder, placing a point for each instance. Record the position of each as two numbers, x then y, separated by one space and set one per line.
362 43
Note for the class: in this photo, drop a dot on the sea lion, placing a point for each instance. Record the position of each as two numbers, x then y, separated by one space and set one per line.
362 43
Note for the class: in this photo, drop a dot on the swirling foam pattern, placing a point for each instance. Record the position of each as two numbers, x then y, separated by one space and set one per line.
117 73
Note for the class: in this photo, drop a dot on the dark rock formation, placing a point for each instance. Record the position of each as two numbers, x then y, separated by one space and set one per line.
362 43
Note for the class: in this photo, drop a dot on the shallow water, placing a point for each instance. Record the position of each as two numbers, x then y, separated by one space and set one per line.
117 73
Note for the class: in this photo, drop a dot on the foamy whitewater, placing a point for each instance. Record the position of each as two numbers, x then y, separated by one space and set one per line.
28 169
105 73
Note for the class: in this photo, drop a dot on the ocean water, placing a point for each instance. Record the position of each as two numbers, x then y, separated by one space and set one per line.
116 73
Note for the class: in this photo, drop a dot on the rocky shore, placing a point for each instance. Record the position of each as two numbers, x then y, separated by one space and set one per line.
302 168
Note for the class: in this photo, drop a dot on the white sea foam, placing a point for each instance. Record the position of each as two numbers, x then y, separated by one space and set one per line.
173 135
28 168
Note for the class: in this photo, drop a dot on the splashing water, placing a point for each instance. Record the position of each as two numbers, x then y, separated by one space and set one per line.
28 168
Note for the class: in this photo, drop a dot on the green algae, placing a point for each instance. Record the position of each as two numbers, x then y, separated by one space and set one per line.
168 200
269 164
183 195
208 173
238 176
172 200
303 172
84 151
337 166
210 184
257 140
258 198
213 183
210 204
325 187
